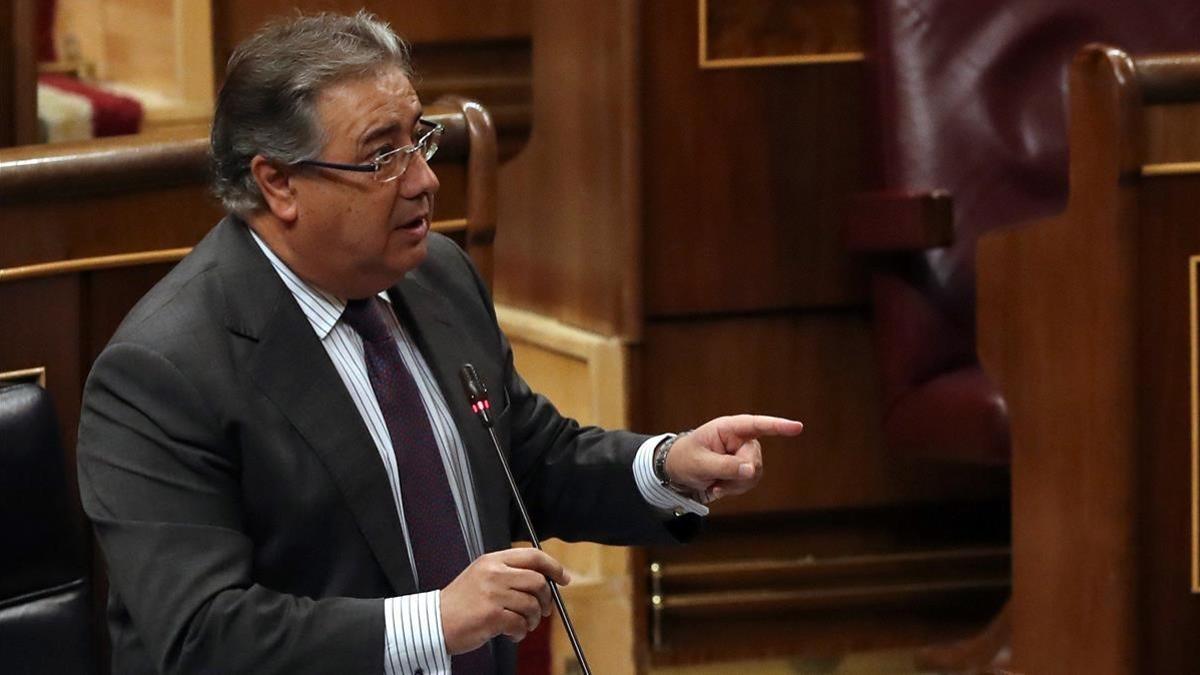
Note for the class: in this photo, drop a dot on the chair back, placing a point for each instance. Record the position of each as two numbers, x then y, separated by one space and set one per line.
45 610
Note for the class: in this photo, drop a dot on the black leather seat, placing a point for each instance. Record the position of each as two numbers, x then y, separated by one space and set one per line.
44 588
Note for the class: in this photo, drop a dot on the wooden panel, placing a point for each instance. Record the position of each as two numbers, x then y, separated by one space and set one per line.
79 30
747 175
1170 233
41 319
1171 133
751 32
18 73
135 30
561 377
418 21
584 374
815 369
496 74
110 225
570 201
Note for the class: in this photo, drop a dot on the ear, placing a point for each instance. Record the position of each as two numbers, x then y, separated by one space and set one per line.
276 187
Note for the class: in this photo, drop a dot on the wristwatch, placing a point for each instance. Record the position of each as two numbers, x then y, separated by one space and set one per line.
660 463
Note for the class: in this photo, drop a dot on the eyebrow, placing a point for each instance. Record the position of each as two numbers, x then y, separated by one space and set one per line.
386 130
378 133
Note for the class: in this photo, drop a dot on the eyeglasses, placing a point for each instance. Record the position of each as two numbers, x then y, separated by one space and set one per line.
390 165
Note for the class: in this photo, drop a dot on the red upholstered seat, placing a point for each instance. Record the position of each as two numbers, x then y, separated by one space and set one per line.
971 99
113 114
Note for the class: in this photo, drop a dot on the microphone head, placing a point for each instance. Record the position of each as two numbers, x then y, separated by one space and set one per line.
477 394
471 383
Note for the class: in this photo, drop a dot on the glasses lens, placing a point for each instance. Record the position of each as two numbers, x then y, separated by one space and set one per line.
429 145
392 165
389 166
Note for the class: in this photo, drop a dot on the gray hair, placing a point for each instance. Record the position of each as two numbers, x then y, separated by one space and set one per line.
267 104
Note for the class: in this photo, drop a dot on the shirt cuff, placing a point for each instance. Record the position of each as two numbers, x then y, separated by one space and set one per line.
413 640
654 492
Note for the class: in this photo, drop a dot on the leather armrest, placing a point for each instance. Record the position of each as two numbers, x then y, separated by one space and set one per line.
893 221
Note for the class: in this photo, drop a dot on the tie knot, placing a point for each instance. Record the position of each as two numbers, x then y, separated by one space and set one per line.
363 316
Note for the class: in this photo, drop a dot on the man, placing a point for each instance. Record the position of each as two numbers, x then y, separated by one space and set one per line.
273 449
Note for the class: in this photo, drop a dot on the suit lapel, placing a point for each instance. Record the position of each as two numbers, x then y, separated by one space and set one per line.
292 368
446 347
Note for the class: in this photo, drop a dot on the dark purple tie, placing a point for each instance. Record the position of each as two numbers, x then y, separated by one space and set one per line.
438 547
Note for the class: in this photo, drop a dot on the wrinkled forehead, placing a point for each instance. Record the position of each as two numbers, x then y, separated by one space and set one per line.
352 106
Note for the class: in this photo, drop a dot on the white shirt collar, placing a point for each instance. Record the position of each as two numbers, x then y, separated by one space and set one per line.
323 309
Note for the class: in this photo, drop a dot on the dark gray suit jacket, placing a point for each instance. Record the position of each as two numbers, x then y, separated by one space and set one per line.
238 498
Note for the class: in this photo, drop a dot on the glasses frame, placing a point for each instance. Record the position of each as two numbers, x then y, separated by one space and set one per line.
376 165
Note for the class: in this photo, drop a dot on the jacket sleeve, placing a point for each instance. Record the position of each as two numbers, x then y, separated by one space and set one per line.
578 481
162 491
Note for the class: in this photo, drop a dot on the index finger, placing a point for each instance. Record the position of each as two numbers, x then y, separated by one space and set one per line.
747 427
538 561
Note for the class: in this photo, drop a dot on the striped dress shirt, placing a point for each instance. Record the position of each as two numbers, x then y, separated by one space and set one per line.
414 642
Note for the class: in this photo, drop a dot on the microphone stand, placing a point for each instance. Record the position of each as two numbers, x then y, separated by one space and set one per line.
478 396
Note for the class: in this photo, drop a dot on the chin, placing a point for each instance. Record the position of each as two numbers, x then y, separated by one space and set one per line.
408 260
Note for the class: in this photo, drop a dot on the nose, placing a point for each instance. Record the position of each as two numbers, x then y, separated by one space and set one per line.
419 179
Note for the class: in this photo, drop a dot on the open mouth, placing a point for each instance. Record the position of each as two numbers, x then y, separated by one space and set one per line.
415 224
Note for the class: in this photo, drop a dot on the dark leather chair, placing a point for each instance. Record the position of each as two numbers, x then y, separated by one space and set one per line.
970 130
970 133
44 588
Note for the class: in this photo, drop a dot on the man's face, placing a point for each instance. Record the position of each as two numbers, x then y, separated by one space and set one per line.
354 236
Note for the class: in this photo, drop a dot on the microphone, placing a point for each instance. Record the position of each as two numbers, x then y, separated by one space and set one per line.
477 395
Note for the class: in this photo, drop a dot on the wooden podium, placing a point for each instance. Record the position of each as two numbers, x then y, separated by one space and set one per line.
1088 321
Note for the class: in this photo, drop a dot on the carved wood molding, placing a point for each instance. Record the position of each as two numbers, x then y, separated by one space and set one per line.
804 55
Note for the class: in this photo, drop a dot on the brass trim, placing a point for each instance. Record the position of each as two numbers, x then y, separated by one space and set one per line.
706 63
91 264
765 61
782 565
1193 274
1170 169
445 226
101 262
717 599
34 375
656 606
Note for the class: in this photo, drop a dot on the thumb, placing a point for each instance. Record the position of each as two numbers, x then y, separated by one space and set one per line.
710 466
